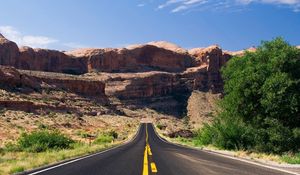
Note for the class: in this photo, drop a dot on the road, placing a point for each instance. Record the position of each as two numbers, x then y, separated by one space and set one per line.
149 154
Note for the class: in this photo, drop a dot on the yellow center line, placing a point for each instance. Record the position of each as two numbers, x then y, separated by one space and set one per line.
145 169
149 150
147 153
153 167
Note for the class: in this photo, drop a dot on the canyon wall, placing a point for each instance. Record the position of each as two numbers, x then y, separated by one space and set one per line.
26 81
141 71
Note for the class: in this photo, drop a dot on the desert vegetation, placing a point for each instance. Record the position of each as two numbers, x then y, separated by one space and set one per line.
30 140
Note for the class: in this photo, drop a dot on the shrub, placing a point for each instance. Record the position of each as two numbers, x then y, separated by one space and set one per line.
113 133
227 134
106 137
11 147
103 138
39 141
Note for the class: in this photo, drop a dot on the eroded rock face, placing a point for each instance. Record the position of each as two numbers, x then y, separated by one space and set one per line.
212 56
9 52
160 68
14 80
84 87
11 78
141 85
138 58
50 61
168 46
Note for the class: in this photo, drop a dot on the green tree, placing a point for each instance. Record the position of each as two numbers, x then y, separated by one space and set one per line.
262 94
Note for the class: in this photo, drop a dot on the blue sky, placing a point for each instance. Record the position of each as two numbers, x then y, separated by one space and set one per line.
70 24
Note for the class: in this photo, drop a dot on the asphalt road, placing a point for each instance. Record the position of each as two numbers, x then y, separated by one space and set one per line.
147 153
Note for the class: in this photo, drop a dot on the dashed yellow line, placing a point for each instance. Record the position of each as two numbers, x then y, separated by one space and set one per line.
147 153
153 167
149 150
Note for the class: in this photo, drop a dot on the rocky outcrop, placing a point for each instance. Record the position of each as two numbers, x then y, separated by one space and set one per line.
70 83
9 52
154 56
168 46
158 68
201 108
11 78
138 58
141 85
212 56
181 133
50 61
83 87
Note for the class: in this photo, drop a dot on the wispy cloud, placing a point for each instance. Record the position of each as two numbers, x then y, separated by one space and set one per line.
26 40
74 45
184 5
141 5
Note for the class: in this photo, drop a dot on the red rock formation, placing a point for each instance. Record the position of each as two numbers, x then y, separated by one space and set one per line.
11 78
168 46
9 52
84 87
50 61
184 70
141 85
213 58
136 58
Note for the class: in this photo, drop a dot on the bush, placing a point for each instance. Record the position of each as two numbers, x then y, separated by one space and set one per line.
104 138
107 137
39 141
113 133
226 134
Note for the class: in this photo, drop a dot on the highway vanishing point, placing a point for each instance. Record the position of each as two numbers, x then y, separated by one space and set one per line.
148 154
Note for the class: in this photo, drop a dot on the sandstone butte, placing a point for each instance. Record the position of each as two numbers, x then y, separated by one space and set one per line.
155 69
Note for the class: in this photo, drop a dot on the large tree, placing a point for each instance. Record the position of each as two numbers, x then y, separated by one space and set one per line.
260 109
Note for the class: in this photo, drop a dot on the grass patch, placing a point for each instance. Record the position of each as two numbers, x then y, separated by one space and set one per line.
108 137
291 158
16 169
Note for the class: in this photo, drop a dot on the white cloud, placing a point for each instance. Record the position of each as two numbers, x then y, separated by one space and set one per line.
141 5
184 5
26 40
74 45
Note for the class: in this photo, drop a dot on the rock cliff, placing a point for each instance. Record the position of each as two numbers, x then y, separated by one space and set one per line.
9 52
152 70
12 79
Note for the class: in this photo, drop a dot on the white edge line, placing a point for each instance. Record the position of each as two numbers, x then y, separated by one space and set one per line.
230 157
88 156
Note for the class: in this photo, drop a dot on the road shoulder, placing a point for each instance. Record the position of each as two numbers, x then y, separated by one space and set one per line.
284 167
